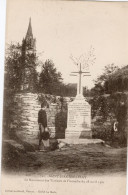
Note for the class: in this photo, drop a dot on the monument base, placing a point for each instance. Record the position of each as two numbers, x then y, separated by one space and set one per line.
81 141
82 134
79 119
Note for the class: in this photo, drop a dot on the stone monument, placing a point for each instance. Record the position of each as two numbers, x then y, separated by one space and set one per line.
79 113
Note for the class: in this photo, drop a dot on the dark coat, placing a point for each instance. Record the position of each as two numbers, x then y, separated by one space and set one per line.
42 117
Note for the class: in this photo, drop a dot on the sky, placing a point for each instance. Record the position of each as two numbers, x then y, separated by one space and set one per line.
69 28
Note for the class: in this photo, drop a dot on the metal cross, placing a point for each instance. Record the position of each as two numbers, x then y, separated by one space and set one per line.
80 72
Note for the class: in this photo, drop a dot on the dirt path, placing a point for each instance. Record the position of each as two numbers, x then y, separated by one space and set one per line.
76 159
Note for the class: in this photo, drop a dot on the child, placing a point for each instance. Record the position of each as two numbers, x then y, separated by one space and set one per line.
44 133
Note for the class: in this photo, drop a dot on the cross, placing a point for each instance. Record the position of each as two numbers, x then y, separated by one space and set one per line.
79 85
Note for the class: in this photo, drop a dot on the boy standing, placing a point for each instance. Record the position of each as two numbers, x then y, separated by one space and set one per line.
42 121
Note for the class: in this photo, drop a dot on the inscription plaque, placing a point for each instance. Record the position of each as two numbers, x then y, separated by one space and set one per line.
79 119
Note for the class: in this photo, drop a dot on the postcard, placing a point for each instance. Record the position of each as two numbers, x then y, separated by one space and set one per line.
65 116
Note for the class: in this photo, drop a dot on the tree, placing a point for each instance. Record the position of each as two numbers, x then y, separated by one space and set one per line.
17 68
108 70
13 67
86 59
102 82
83 63
118 81
50 80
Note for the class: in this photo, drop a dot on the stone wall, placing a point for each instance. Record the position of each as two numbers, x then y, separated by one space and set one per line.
25 117
27 106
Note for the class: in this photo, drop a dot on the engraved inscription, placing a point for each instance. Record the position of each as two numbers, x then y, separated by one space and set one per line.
79 115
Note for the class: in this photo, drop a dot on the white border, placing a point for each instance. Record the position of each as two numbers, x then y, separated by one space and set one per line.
2 49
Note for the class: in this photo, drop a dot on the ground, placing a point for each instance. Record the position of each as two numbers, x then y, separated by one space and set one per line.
72 160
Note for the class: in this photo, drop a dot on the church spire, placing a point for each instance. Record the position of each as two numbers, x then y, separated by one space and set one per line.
29 43
28 59
29 34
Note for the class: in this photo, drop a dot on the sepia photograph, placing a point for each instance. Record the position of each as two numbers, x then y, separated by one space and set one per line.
65 103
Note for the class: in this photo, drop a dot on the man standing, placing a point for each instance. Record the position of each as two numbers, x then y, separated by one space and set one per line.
43 131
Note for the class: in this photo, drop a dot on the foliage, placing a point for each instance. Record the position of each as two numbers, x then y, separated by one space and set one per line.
13 59
86 59
108 70
108 106
68 90
100 83
117 81
100 107
50 80
113 79
105 110
102 132
109 103
16 66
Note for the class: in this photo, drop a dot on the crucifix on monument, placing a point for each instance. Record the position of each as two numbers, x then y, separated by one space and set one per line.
79 84
79 112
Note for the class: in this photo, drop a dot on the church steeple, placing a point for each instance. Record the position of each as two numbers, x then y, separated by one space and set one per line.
29 34
28 59
29 43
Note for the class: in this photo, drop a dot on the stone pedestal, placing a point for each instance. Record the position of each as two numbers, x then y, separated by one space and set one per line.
79 119
81 141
